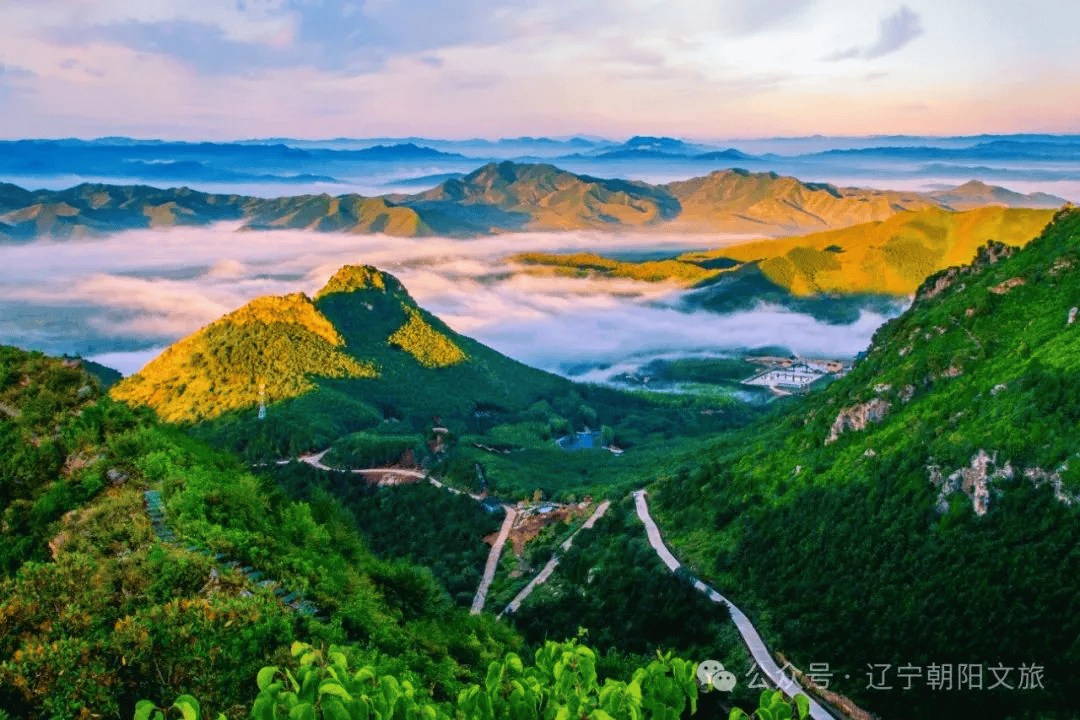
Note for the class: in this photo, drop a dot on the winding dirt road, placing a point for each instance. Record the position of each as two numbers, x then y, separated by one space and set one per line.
493 561
315 460
544 574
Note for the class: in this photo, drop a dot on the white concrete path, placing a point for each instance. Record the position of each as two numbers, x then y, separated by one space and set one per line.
764 659
549 568
493 561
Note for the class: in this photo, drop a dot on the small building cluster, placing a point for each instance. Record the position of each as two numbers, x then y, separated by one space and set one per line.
795 373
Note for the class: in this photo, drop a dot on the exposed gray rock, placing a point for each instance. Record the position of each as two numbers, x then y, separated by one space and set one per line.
974 481
1039 477
1072 316
857 417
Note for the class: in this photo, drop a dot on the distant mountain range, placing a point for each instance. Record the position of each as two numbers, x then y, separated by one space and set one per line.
498 197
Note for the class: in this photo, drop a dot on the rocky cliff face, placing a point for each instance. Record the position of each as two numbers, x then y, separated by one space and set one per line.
857 417
976 481
937 283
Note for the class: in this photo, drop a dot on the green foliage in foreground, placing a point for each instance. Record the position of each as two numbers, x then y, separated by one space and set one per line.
773 706
562 685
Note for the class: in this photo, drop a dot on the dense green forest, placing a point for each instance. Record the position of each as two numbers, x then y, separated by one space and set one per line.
97 613
612 590
925 509
417 522
422 374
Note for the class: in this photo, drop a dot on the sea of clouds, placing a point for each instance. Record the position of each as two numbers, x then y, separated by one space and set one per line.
121 299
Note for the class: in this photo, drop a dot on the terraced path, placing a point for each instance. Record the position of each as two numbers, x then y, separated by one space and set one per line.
155 510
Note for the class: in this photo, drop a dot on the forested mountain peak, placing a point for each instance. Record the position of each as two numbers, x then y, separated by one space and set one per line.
267 350
360 277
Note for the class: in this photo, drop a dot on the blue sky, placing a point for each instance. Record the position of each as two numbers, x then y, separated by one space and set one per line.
220 69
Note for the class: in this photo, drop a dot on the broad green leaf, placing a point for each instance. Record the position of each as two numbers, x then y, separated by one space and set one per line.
303 711
330 686
308 687
803 704
266 676
599 714
334 709
263 709
494 677
143 710
514 663
188 707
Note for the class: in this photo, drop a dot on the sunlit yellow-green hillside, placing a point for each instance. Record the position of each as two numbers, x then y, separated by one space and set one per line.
891 256
585 264
277 341
353 277
429 346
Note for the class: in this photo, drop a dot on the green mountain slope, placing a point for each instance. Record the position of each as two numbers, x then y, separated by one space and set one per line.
104 602
925 509
345 213
360 354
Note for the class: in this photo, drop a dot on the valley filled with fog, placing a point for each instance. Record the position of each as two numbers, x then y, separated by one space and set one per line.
123 298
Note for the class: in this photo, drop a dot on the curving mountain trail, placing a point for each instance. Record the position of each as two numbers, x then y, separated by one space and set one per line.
315 461
545 573
493 560
749 634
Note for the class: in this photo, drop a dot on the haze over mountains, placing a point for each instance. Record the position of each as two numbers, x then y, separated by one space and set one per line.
363 163
499 197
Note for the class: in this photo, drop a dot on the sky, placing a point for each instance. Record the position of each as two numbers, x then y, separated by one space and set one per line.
704 69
